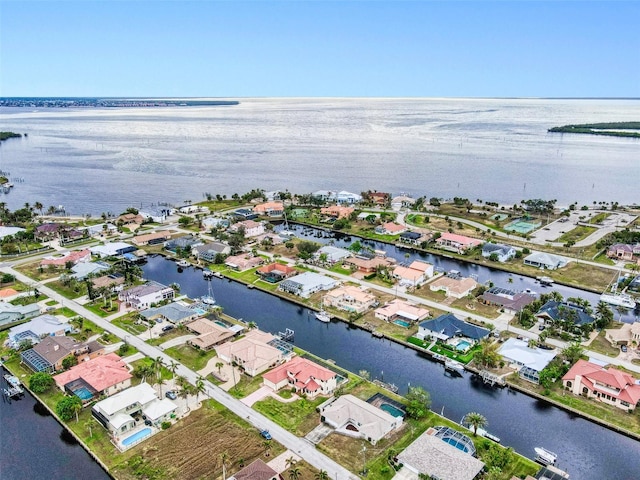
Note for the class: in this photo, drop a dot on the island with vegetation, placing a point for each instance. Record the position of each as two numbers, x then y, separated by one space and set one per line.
6 135
612 129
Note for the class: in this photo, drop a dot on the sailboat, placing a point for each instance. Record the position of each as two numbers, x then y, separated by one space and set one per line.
208 299
286 232
617 298
323 315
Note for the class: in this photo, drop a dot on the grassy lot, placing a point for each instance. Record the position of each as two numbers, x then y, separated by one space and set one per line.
175 333
66 311
98 307
460 357
601 345
74 290
87 328
33 270
576 234
602 258
473 306
128 324
193 358
245 385
17 286
28 300
299 417
165 373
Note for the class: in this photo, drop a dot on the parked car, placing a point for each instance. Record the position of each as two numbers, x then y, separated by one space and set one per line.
166 328
171 395
623 348
541 327
265 434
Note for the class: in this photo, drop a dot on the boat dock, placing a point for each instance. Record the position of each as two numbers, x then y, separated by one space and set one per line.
14 387
492 379
388 386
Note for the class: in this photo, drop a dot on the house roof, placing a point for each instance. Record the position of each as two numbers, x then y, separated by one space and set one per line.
496 248
159 408
352 292
108 281
595 375
311 280
53 349
253 350
142 394
242 262
544 258
285 269
393 227
111 249
507 298
258 470
82 270
408 273
209 333
333 253
411 235
100 373
455 285
39 326
146 289
450 325
403 309
563 311
520 352
268 206
174 312
75 256
213 247
302 370
150 237
454 237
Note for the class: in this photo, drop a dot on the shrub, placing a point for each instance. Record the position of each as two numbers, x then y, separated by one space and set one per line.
165 425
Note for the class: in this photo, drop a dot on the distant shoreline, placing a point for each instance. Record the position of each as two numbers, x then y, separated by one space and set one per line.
612 129
90 102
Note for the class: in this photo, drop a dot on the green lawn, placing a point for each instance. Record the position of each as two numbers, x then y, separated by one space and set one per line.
246 385
99 308
128 324
293 416
578 233
28 300
191 357
73 290
460 357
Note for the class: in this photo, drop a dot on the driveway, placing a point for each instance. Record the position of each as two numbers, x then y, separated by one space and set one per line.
405 474
256 396
319 433
174 342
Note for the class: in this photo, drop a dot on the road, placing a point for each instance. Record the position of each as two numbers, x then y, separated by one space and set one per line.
302 447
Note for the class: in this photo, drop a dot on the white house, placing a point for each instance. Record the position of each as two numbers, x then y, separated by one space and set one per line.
112 249
37 328
333 254
305 284
143 296
398 309
415 274
350 298
251 228
529 361
503 252
544 260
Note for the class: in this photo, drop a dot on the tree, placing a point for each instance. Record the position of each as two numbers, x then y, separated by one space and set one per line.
69 362
267 447
573 353
321 475
200 387
418 402
475 420
219 366
290 462
40 382
90 424
68 407
604 315
294 473
487 356
173 367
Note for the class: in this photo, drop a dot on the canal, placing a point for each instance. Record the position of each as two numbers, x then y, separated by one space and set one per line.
586 450
34 445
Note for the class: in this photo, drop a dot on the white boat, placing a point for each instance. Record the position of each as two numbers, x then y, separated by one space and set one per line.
208 299
544 456
183 263
545 281
286 232
207 273
616 298
453 365
323 316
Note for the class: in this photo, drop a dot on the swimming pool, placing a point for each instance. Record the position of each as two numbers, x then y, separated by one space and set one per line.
83 393
462 345
221 324
139 435
457 444
390 409
402 323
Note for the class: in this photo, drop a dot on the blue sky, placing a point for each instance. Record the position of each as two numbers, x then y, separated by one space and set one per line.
323 49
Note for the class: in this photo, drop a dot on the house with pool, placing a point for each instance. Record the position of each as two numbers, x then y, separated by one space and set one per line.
306 377
451 330
453 285
401 312
350 299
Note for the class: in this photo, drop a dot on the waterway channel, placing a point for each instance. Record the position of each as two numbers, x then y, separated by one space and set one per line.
586 450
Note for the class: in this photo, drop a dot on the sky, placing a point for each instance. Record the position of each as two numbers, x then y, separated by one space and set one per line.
320 48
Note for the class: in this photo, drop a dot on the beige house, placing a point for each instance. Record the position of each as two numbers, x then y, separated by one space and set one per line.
209 333
151 238
415 274
252 353
454 285
626 335
350 299
401 310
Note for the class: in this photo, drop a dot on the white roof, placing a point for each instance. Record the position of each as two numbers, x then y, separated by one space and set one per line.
159 408
42 325
546 258
109 249
119 420
519 352
333 253
81 270
142 394
6 231
311 280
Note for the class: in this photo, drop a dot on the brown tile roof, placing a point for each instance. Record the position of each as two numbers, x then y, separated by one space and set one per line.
258 470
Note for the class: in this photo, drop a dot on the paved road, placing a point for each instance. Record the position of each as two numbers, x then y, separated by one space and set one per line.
302 447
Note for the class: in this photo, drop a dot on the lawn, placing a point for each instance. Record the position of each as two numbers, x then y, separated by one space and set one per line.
128 324
73 290
98 307
450 353
28 300
601 345
191 357
576 234
245 385
33 270
298 417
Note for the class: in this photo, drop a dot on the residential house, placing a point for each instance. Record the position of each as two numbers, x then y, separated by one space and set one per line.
448 326
80 271
306 377
14 313
156 214
153 238
433 456
510 301
398 309
243 262
350 299
112 249
307 283
185 242
402 201
368 265
627 334
457 243
245 214
254 353
189 209
544 260
49 353
101 376
390 228
563 314
116 413
454 285
378 198
100 230
502 253
38 328
337 211
276 272
52 231
529 361
271 238
6 231
251 228
415 238
215 222
114 282
208 251
209 333
342 197
415 274
257 470
623 251
332 254
75 257
174 312
270 209
129 219
607 385
353 417
141 297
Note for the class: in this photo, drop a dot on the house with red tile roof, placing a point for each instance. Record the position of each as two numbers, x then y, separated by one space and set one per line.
271 209
151 238
275 272
75 257
305 376
457 243
350 298
416 273
258 470
607 385
251 228
337 211
390 228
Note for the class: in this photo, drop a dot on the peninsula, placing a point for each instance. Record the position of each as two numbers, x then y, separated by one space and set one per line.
6 135
612 129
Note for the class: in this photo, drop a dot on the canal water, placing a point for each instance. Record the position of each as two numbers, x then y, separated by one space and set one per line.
33 445
586 450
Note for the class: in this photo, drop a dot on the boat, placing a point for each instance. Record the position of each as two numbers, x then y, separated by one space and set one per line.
452 365
323 316
616 298
545 281
208 299
544 456
207 273
389 386
183 263
12 380
286 232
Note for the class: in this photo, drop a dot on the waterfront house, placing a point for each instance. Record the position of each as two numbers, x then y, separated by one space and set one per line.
270 238
454 285
6 231
258 470
275 272
80 271
174 312
456 243
337 211
350 299
390 228
184 243
101 376
528 361
380 199
353 417
543 260
189 209
112 249
73 258
243 262
51 231
125 410
209 333
402 201
254 353
563 314
141 297
156 214
100 230
416 273
36 329
307 283
332 254
368 265
303 375
434 455
244 214
250 227
270 209
607 385
342 197
402 310
114 282
627 334
208 251
502 253
14 313
448 326
215 222
416 238
153 238
49 353
129 219
508 300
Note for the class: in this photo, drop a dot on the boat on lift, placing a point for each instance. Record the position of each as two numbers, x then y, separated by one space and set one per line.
544 456
323 316
616 298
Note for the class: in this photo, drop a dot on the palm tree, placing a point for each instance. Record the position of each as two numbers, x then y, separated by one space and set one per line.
173 366
38 206
267 447
475 420
322 475
157 365
77 408
223 457
291 462
252 325
89 424
219 366
294 473
200 387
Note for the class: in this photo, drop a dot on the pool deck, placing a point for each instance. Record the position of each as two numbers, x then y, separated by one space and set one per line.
119 440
